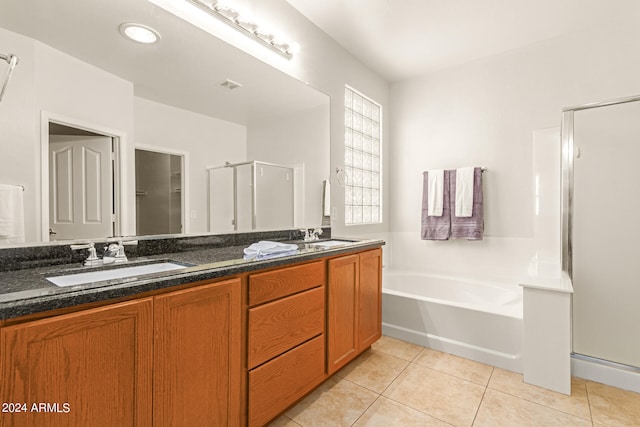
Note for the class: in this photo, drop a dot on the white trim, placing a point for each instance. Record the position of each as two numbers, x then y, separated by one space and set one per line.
605 374
120 141
184 197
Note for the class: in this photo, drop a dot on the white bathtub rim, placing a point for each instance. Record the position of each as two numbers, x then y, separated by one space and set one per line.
512 309
498 283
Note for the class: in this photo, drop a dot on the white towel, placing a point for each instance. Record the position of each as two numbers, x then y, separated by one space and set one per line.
11 214
327 198
435 192
266 249
464 192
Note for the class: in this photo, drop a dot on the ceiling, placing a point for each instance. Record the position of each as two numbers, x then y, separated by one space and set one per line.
401 39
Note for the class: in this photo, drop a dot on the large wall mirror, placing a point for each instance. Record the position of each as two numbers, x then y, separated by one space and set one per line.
141 114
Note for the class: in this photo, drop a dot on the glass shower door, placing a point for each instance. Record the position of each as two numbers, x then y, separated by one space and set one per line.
606 233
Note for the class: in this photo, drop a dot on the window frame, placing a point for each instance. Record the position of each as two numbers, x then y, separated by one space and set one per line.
363 160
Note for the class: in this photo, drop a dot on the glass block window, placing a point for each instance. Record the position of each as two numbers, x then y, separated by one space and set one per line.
362 150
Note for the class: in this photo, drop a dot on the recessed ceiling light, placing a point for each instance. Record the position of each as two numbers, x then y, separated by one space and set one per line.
139 33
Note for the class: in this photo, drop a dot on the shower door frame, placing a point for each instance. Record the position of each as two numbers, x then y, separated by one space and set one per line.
234 166
568 156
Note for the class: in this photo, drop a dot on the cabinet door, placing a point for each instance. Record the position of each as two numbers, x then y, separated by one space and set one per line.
342 318
90 368
197 356
370 299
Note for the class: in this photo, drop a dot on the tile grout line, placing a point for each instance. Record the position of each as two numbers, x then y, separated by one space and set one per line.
366 409
373 391
404 403
486 386
544 405
586 389
484 392
380 393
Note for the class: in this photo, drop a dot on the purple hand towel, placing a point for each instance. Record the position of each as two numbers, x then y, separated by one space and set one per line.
470 228
436 227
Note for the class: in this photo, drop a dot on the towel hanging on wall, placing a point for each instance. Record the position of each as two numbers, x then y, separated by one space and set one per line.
436 186
470 227
464 192
436 227
11 214
449 225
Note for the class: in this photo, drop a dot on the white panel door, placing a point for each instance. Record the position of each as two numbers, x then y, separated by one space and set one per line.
606 232
80 187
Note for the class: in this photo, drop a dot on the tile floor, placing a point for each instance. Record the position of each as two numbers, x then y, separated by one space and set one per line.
401 384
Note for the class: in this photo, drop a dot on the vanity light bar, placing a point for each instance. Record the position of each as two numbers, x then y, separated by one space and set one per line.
232 17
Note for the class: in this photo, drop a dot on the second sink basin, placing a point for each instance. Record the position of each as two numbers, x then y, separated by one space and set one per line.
113 273
327 244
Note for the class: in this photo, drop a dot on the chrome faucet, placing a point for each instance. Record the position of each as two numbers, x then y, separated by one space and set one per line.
310 236
114 253
92 259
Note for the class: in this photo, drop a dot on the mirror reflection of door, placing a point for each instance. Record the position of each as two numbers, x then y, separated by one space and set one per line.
80 187
158 192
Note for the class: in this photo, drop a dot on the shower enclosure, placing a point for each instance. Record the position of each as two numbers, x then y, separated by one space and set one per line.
251 195
159 197
601 148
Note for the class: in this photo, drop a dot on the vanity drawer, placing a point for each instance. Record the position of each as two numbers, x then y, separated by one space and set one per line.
280 325
264 287
274 386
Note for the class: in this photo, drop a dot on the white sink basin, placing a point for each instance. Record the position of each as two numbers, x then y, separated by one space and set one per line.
328 244
114 273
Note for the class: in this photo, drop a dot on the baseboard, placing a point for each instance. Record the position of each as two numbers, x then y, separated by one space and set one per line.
605 373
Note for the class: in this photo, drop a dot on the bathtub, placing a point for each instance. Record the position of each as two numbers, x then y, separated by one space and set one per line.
473 319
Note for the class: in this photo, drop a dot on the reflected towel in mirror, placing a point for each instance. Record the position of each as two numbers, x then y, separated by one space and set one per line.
11 214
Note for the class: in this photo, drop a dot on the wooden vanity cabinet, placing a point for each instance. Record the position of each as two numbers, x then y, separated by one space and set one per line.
169 360
285 340
369 299
197 356
232 352
89 368
354 304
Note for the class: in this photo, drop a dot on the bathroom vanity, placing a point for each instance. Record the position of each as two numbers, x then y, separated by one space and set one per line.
229 342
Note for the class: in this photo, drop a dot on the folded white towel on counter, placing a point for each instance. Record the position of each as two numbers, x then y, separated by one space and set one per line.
267 249
435 188
11 214
464 192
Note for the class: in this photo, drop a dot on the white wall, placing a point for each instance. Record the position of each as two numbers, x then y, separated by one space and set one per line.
209 142
70 88
48 80
485 113
291 140
19 144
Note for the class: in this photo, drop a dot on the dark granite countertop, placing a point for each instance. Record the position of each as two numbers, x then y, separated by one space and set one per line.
27 291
